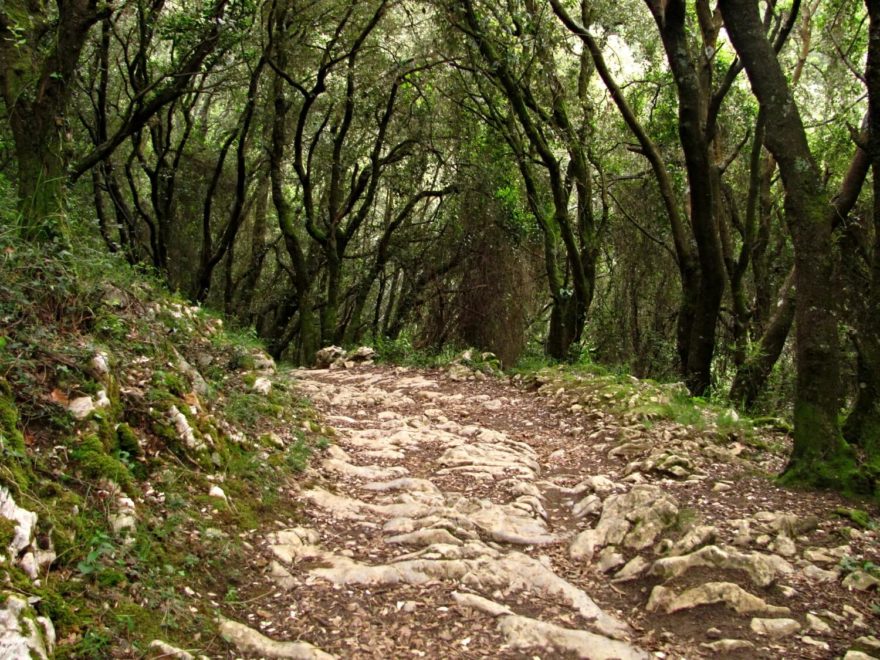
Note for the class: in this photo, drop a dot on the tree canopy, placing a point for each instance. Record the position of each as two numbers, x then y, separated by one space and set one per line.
682 190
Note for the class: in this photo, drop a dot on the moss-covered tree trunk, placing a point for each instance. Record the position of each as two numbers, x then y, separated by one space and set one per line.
35 83
863 423
820 456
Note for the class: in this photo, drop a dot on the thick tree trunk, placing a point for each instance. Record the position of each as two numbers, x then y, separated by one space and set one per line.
863 423
820 456
39 53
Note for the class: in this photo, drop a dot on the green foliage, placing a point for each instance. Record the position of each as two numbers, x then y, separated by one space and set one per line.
856 516
94 462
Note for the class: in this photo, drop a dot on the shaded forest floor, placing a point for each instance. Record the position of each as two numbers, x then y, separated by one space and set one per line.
462 516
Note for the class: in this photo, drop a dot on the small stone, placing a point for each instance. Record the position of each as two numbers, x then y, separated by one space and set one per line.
216 491
168 651
860 581
721 487
818 643
784 546
728 645
714 633
868 643
763 540
633 569
817 625
101 363
857 655
81 407
819 574
262 385
818 556
775 628
609 559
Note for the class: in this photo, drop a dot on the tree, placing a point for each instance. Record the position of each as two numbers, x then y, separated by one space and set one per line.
820 455
40 47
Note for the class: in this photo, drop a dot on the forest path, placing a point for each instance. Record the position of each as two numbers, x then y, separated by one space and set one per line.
468 518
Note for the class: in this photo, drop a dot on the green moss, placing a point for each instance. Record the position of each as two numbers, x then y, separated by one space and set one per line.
127 440
857 516
11 438
7 533
94 462
171 382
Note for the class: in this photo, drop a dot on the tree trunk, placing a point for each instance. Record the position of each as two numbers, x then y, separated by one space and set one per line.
863 423
752 374
820 456
39 53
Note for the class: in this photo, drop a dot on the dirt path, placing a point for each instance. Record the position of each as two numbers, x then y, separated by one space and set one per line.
473 519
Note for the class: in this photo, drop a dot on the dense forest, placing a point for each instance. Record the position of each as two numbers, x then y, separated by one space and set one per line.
680 190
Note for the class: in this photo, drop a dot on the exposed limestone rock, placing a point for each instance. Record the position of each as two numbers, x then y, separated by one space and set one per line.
527 633
81 407
634 520
694 538
22 633
774 628
23 548
25 522
474 565
587 506
372 472
184 430
763 569
216 491
861 581
817 643
101 363
609 559
817 574
728 645
819 556
868 643
248 640
328 356
168 651
405 483
784 546
124 520
362 355
858 655
817 625
732 595
633 569
262 385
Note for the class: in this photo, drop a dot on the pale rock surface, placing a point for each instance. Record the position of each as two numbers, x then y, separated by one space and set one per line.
817 625
262 385
527 633
168 651
81 407
248 640
735 597
25 522
728 645
184 430
861 581
774 628
763 569
634 520
816 574
22 634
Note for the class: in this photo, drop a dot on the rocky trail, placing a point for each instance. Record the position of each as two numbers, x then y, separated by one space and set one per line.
456 516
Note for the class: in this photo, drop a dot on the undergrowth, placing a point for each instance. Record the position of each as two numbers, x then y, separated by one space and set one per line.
112 590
